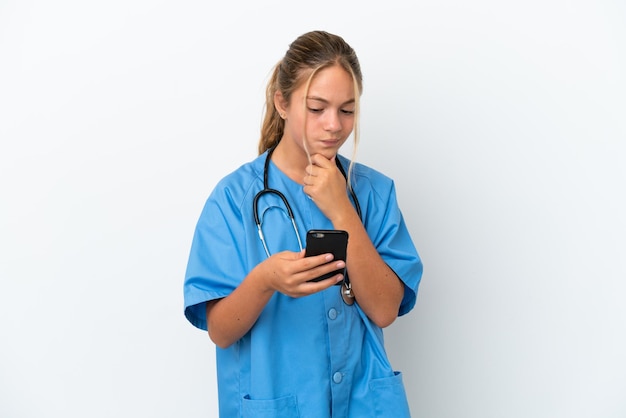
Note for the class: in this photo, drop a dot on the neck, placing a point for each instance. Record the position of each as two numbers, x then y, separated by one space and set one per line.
290 160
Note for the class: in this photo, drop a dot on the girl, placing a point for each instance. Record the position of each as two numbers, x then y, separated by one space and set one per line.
288 346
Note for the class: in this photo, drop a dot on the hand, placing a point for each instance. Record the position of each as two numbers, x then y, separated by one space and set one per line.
326 186
289 273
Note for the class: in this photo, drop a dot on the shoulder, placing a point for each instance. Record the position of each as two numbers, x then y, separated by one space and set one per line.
237 185
366 177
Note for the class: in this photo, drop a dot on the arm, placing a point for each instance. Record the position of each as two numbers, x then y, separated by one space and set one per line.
376 287
231 317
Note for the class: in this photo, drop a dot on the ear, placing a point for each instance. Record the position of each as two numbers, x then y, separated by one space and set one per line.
280 104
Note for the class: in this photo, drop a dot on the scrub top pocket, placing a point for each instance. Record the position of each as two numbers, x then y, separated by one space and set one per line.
286 407
390 397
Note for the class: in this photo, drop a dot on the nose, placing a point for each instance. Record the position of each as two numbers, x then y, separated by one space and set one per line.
332 122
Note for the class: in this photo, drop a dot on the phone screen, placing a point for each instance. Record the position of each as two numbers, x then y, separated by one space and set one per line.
322 241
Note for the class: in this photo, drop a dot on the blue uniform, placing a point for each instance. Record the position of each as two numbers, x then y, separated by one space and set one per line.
309 357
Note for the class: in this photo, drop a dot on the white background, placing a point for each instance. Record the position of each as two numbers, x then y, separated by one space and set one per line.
503 124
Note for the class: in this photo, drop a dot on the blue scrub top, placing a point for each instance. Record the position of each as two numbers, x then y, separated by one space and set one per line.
309 357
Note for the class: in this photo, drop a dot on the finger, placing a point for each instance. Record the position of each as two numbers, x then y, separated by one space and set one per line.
291 255
313 261
314 287
320 161
308 180
325 269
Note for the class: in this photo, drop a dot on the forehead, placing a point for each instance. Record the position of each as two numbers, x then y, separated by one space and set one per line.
330 83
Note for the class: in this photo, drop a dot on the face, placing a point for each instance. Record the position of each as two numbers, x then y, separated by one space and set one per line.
326 114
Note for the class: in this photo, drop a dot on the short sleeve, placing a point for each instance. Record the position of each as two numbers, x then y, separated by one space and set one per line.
216 263
390 236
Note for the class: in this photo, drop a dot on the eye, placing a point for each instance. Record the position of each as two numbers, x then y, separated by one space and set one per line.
347 112
315 110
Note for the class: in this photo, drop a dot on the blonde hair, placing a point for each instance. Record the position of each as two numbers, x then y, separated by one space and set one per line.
308 54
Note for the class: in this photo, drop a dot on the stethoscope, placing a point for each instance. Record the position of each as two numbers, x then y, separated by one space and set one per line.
346 287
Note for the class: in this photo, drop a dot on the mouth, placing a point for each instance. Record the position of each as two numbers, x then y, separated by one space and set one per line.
330 142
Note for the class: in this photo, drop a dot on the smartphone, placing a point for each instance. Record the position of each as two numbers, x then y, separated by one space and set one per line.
322 241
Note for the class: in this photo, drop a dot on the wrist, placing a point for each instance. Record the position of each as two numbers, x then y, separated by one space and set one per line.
345 218
259 280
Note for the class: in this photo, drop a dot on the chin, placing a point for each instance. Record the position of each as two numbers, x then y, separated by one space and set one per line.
328 154
328 151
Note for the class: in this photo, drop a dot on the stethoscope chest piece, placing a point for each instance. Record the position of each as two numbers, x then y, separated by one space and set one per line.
346 293
346 289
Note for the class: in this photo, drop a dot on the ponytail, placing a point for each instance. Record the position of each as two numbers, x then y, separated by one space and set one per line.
273 125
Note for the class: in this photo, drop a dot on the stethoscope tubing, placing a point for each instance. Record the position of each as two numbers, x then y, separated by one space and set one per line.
268 190
346 289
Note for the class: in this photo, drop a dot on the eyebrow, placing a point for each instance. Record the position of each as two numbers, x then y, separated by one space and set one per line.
319 99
